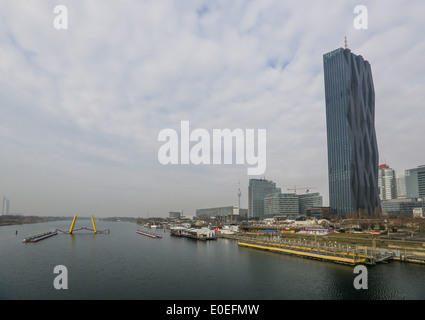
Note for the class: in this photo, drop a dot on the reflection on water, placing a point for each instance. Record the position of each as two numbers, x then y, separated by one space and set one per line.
125 265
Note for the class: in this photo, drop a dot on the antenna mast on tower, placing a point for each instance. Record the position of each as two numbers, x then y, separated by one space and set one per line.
239 195
345 43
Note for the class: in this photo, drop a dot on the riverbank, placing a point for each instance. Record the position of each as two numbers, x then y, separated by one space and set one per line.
402 249
8 220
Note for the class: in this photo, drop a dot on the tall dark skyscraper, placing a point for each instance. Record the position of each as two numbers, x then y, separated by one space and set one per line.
350 119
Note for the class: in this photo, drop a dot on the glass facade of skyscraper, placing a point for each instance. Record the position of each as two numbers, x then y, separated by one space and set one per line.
352 147
291 205
387 183
281 204
258 189
415 182
309 200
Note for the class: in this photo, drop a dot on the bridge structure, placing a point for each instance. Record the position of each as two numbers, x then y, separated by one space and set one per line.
71 229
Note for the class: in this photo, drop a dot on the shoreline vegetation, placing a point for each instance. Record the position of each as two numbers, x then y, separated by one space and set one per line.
10 220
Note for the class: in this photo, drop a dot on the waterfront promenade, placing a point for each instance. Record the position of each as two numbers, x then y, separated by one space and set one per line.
361 248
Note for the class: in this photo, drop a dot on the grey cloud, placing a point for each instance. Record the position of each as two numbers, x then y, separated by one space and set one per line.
82 108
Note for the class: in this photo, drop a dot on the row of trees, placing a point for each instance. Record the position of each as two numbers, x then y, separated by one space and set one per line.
380 221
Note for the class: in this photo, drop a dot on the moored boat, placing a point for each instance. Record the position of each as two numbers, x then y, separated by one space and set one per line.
40 236
149 234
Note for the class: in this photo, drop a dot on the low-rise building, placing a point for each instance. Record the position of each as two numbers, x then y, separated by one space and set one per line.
221 211
318 212
401 206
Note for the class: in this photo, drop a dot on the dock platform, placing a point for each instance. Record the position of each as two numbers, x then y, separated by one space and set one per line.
305 250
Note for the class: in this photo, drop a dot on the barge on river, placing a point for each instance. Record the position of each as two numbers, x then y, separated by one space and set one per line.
39 237
149 234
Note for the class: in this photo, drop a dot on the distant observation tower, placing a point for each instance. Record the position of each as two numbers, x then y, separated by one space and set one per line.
239 196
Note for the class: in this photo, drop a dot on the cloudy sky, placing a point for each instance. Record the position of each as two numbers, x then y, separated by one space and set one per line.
81 108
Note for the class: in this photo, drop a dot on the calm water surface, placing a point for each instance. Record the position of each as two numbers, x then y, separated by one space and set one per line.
125 265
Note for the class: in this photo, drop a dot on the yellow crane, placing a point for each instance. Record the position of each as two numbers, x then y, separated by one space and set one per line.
295 188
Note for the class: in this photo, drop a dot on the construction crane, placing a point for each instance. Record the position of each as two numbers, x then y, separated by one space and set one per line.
306 191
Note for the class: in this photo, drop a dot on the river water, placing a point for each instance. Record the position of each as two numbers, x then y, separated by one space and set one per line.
126 265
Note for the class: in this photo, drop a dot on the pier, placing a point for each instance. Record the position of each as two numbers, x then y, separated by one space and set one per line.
344 254
306 250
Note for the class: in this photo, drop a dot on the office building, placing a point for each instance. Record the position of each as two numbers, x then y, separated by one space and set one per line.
401 206
318 213
221 211
243 213
258 189
291 205
415 182
387 183
351 138
174 214
309 200
281 204
401 187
